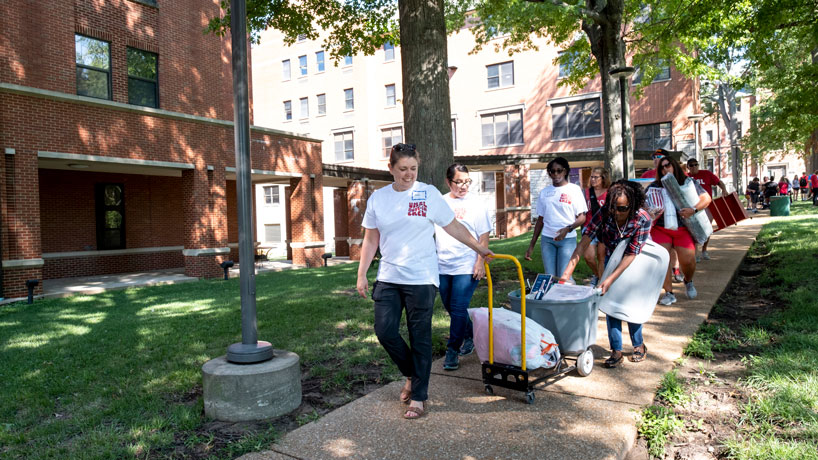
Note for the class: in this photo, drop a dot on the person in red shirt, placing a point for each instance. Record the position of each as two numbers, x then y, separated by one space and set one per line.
707 180
814 184
657 157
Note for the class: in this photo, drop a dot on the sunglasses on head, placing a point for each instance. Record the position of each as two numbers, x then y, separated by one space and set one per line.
404 147
623 208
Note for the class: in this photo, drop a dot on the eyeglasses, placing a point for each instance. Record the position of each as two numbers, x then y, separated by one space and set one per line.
458 183
404 148
623 208
556 171
666 165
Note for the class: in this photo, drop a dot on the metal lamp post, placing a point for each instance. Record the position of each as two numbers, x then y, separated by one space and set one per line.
623 73
250 350
696 118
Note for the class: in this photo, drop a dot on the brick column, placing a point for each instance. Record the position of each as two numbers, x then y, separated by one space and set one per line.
339 197
500 203
517 191
306 207
204 195
21 240
357 194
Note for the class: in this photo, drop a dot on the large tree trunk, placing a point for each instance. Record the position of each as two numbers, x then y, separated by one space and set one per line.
608 48
727 108
427 114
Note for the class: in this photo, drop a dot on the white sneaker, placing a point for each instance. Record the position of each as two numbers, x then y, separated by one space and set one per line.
691 290
677 276
667 299
705 255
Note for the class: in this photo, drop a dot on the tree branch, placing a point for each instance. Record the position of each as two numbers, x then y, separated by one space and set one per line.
591 14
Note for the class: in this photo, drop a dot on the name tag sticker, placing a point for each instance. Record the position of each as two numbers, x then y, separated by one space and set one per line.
550 192
419 195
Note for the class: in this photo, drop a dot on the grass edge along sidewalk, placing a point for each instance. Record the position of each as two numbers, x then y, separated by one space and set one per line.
780 417
118 374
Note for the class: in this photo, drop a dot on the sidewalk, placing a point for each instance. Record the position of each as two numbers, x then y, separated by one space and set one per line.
588 418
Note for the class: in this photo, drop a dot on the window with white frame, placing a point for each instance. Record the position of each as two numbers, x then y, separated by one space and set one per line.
565 66
739 132
391 100
709 135
344 146
487 181
271 194
454 135
502 128
349 99
322 104
285 69
319 60
388 52
391 136
301 37
288 110
347 61
653 136
576 119
302 65
738 103
305 107
272 233
500 75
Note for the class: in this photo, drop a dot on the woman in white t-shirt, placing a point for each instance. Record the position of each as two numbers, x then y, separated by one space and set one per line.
461 269
400 219
561 209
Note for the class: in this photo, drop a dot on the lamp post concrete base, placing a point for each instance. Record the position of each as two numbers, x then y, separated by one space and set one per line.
247 392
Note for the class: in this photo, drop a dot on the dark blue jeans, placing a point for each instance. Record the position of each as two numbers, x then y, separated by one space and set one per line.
456 292
418 301
615 333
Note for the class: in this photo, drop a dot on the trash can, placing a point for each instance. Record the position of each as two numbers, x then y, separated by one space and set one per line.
573 321
779 206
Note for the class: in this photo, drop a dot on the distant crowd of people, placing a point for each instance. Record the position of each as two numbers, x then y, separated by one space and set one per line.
800 188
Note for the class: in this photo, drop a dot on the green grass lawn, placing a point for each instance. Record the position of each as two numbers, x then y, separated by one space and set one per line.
118 374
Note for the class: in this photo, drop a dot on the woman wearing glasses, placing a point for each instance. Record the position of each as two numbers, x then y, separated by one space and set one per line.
461 269
621 217
679 239
400 219
561 209
600 180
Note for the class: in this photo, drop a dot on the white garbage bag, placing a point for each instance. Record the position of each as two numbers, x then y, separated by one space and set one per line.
541 349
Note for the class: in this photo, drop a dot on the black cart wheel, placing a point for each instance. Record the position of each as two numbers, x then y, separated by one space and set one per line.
529 397
489 390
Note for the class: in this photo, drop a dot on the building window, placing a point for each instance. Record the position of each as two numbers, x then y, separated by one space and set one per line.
305 107
271 195
110 216
565 67
347 60
576 119
93 60
272 233
302 65
738 129
709 135
319 60
301 37
288 110
388 52
454 135
487 183
504 128
390 96
349 99
391 136
652 137
500 75
285 69
143 85
738 103
664 73
344 146
322 104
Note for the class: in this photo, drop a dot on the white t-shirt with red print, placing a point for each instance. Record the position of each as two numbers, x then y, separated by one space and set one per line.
559 207
454 257
406 222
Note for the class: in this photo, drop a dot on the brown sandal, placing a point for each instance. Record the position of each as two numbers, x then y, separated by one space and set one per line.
414 410
406 395
639 356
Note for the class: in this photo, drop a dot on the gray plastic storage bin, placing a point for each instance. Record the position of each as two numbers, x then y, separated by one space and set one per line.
573 323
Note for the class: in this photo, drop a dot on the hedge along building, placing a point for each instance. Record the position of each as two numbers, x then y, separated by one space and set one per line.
118 144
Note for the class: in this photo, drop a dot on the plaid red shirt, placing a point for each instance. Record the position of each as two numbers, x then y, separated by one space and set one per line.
608 233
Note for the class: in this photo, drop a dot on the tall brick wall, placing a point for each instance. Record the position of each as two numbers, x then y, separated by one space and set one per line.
339 197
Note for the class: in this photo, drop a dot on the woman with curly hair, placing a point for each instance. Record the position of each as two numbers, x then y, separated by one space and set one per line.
620 218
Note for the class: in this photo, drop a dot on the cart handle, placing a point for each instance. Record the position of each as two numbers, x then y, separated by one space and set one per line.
522 307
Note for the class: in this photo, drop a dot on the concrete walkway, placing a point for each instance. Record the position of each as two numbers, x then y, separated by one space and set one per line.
574 418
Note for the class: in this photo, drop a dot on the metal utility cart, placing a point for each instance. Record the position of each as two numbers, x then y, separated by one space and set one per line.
573 324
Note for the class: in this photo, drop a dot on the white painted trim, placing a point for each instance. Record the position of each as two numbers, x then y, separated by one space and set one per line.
355 240
505 108
307 245
205 252
149 111
9 151
265 172
114 160
111 252
517 208
341 238
22 263
579 97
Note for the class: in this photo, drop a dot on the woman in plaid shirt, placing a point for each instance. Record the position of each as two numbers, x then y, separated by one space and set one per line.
622 217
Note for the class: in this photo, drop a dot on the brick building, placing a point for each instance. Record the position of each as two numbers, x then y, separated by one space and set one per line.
115 125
